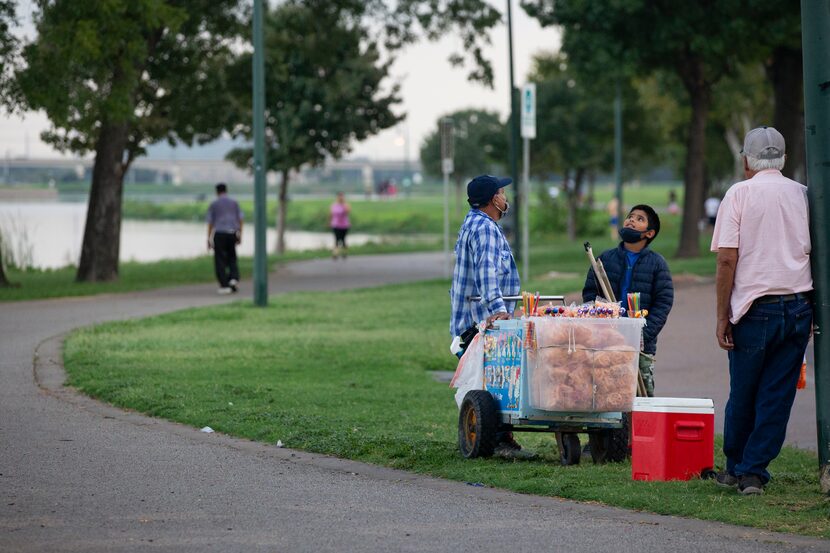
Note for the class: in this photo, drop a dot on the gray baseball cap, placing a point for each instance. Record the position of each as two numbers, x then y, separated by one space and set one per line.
763 143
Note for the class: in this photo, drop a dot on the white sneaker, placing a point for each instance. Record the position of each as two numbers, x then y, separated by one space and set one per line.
234 284
224 291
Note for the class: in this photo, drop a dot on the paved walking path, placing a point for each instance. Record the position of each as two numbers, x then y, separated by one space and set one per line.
76 475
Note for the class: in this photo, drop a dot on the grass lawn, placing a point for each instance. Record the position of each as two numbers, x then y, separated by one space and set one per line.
133 276
350 375
417 214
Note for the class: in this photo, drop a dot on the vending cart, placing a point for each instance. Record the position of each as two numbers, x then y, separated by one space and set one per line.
565 374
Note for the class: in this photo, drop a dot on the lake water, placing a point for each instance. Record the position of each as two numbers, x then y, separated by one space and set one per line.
49 235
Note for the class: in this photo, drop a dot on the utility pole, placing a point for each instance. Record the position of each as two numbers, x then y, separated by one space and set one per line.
511 222
815 37
260 255
447 167
618 145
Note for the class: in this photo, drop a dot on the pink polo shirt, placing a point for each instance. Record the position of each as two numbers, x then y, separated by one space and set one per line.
767 219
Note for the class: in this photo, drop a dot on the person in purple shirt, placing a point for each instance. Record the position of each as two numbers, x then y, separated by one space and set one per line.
224 219
340 225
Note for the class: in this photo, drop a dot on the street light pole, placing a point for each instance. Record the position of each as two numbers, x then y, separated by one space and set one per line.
512 220
447 131
618 145
815 35
260 255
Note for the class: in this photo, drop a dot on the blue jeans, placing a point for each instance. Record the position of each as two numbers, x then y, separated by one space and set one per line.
770 341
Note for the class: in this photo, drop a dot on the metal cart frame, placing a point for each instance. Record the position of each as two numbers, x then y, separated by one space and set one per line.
504 405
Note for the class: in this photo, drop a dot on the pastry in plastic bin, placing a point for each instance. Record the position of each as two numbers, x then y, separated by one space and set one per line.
579 358
615 401
583 335
605 336
618 355
614 379
551 333
551 357
548 372
575 398
580 377
623 355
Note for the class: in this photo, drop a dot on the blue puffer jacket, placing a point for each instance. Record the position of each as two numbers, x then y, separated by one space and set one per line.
650 277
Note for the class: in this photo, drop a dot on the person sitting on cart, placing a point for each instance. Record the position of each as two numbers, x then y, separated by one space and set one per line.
484 267
634 267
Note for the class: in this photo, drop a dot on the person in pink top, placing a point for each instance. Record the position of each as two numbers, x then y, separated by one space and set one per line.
340 225
764 307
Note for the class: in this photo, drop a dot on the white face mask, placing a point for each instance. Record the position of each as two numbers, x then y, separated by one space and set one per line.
505 210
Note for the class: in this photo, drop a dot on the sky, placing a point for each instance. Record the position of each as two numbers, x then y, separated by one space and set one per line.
430 88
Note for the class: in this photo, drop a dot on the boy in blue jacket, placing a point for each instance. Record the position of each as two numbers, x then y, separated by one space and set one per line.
634 267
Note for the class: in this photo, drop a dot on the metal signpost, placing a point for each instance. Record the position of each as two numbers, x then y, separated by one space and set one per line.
447 167
260 255
815 35
528 133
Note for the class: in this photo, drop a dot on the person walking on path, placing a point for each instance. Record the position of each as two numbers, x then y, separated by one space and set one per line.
710 207
340 225
485 267
764 311
224 220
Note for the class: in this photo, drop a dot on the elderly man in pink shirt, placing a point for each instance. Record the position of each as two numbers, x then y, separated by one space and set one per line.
764 310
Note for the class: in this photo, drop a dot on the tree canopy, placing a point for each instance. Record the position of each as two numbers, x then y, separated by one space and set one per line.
575 128
325 89
117 75
480 140
701 43
155 66
114 76
480 143
8 47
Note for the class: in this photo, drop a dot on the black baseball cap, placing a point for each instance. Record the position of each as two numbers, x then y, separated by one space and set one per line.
481 189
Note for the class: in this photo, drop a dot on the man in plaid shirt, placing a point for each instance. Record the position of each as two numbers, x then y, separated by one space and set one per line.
484 264
485 267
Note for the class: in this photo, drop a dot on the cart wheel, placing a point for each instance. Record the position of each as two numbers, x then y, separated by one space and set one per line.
477 424
708 473
569 450
611 445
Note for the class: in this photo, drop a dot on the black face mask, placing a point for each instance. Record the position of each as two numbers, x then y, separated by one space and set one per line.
630 235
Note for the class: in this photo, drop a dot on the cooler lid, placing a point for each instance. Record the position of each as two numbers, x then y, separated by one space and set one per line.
674 405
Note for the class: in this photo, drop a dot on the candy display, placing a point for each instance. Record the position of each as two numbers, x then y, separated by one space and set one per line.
587 365
634 306
599 309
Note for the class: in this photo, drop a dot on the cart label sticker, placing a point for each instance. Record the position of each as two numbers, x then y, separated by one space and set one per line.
502 367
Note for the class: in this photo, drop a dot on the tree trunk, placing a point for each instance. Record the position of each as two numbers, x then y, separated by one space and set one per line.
459 209
569 189
785 73
4 282
281 201
691 72
592 177
102 233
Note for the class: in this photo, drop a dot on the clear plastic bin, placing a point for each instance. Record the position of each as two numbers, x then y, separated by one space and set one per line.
584 365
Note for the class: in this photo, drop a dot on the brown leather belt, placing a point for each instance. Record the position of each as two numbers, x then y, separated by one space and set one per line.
776 299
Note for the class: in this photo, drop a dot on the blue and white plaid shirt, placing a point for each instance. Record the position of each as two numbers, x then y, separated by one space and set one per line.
484 266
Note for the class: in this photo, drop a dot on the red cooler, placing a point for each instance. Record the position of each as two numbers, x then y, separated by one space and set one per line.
672 438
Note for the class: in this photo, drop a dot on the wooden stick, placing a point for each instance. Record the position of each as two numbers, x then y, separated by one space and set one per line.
595 267
607 285
641 385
